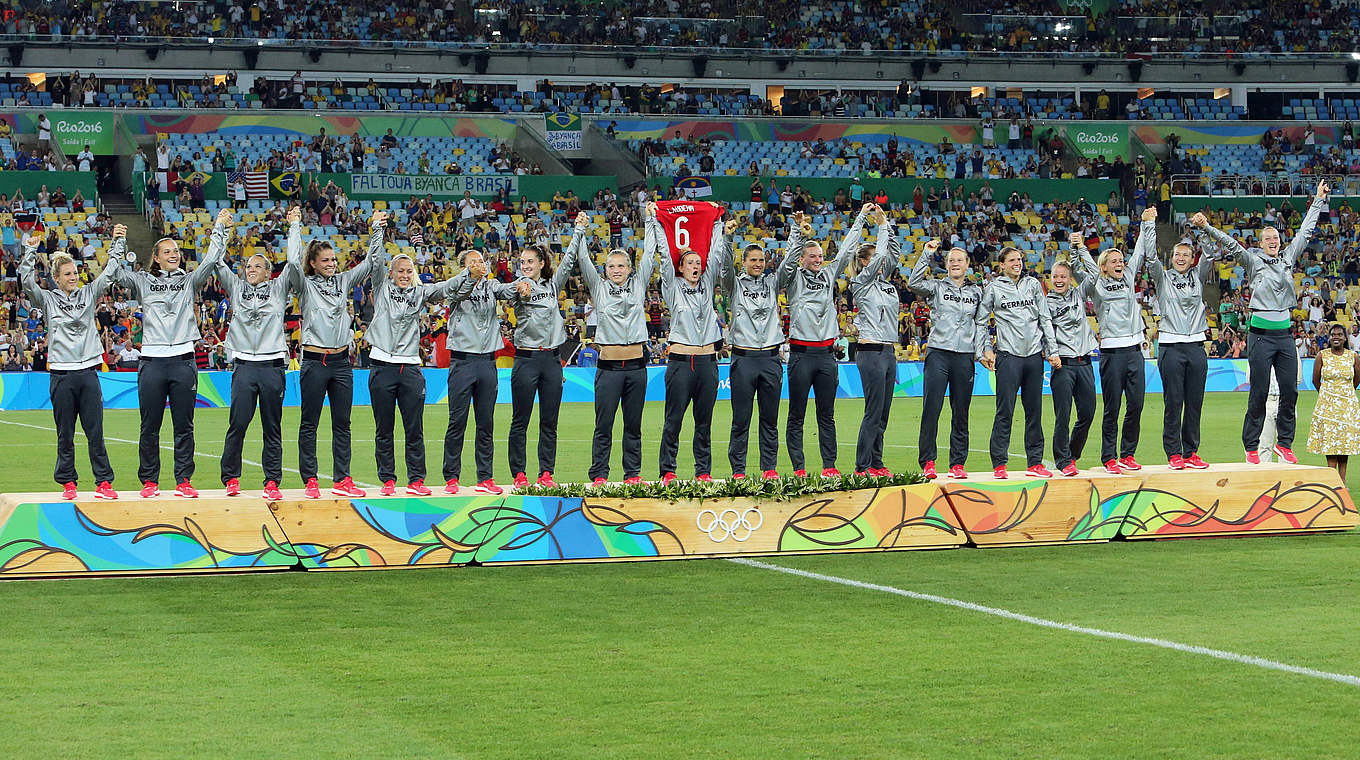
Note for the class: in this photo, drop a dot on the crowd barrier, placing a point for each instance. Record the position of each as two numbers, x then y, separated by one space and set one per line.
41 536
29 390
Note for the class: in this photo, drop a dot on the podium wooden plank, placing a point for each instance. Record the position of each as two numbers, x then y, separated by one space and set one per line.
898 517
43 536
1234 499
394 531
450 530
1031 512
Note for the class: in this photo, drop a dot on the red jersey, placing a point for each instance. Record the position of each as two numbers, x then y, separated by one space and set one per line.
688 224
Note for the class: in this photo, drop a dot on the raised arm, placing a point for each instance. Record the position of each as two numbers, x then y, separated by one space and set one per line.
799 232
109 274
377 252
1310 220
1224 240
293 259
1084 265
589 273
661 247
719 250
217 249
1151 258
28 270
851 242
920 279
1145 246
574 252
886 248
1205 268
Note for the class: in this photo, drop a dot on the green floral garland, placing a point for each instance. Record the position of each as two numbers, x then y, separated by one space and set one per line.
782 489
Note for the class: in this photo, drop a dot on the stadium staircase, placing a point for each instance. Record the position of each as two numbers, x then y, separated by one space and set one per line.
612 157
122 209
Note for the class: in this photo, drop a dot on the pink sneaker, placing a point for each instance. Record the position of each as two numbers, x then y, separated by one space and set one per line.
1285 453
958 473
1112 467
105 491
635 480
1070 471
186 489
272 492
389 488
739 476
489 486
545 480
1000 473
770 475
668 478
1195 463
1128 463
417 488
831 472
521 481
1253 457
233 487
1177 462
451 486
1038 471
68 492
704 477
597 482
313 491
150 489
800 473
346 487
929 470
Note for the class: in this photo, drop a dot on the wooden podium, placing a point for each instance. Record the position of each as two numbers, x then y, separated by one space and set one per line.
42 536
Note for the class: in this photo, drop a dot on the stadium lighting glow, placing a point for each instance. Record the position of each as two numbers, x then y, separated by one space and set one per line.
211 40
1355 56
1062 27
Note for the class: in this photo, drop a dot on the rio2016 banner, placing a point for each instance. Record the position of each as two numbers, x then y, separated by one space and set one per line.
72 130
1106 140
30 390
439 186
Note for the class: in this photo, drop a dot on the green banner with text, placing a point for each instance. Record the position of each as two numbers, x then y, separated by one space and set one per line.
1106 140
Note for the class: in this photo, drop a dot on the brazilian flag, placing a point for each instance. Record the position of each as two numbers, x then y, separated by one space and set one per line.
285 184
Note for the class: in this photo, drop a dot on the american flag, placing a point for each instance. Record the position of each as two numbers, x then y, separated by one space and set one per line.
257 183
414 234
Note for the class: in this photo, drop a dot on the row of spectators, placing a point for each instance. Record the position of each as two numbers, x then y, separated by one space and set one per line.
904 99
1252 26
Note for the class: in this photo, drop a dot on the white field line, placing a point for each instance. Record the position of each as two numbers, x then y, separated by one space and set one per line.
1218 654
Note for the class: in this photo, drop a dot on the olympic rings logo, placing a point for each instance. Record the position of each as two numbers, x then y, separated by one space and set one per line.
729 523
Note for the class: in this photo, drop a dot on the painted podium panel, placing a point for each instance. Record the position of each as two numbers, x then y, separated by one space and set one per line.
451 530
1233 499
40 535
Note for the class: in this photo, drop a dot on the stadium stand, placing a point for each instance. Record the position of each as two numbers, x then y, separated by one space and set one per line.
1250 28
453 95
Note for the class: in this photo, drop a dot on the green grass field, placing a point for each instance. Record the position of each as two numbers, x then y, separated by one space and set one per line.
690 659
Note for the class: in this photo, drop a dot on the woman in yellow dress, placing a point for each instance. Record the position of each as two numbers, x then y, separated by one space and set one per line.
1336 418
